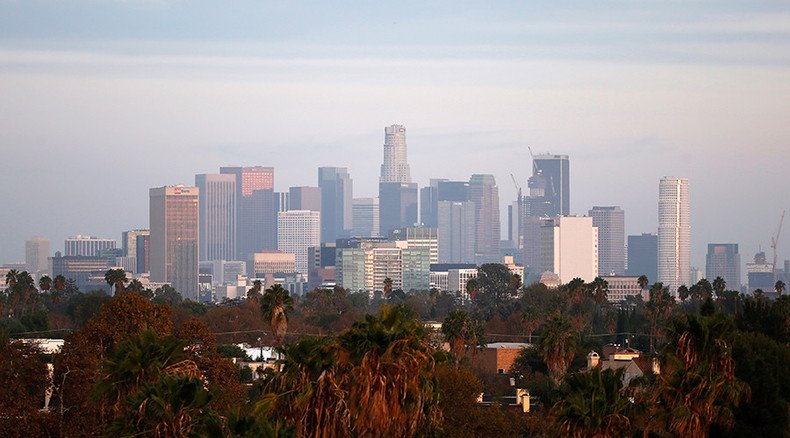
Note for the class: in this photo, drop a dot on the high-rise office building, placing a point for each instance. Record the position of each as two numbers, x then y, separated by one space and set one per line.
305 198
643 256
130 247
397 206
760 274
440 190
217 214
570 248
143 253
395 168
365 217
37 255
551 182
611 239
723 260
86 246
418 237
282 201
175 236
429 200
337 193
298 230
484 192
457 232
256 218
674 233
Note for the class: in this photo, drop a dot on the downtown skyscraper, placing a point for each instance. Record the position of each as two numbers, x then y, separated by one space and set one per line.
484 192
337 193
217 216
549 186
397 194
175 238
395 167
256 219
611 239
674 233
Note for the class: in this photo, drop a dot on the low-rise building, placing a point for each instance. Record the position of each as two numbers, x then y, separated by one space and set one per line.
621 287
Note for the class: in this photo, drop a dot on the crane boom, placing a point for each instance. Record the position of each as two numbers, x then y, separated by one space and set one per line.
775 241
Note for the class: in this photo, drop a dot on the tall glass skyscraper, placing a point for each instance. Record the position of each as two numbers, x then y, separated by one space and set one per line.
397 194
336 201
174 238
552 174
674 233
611 239
256 219
484 192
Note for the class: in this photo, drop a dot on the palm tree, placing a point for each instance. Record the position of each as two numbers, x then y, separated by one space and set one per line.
45 283
706 289
643 281
699 388
461 330
135 286
657 309
387 287
683 292
600 289
255 290
275 303
392 387
59 283
719 285
472 287
593 404
117 278
557 346
10 278
779 287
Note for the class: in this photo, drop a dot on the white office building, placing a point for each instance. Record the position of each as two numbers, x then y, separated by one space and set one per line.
674 233
570 248
298 230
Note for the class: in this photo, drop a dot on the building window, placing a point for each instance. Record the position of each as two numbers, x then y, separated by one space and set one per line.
500 371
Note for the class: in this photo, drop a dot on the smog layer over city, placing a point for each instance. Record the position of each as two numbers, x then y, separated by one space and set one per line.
395 218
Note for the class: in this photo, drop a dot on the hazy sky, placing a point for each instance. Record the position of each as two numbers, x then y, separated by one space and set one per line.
101 100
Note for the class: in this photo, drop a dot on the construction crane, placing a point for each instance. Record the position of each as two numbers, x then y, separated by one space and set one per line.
775 241
518 187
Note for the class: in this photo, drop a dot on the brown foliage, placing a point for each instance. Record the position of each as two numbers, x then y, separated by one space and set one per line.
463 417
24 378
220 373
77 368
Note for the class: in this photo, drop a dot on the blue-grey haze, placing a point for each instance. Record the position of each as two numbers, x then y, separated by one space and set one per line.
100 100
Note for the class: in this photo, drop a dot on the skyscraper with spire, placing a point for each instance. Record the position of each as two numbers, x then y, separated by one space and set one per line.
674 233
397 194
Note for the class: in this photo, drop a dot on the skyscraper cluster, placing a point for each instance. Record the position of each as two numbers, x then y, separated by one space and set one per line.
232 227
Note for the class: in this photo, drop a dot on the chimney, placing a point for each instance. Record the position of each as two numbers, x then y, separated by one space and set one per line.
522 398
593 360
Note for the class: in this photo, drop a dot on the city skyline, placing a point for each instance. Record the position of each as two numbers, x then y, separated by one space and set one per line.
682 93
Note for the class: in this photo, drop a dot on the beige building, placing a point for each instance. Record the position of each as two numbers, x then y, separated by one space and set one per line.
271 262
37 255
570 248
621 287
174 238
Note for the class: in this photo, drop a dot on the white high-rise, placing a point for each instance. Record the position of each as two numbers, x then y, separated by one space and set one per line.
570 248
395 167
298 230
217 216
674 233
